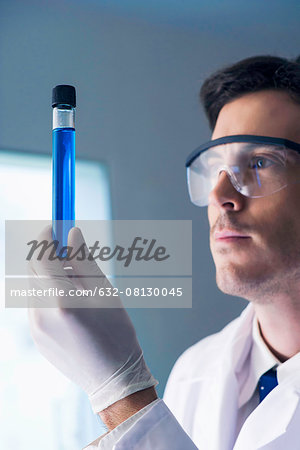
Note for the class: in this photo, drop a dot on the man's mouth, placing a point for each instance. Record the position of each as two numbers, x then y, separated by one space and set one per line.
229 235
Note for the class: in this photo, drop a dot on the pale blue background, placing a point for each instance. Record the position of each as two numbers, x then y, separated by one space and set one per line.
40 407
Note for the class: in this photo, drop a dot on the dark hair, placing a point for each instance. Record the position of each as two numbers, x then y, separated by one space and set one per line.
249 75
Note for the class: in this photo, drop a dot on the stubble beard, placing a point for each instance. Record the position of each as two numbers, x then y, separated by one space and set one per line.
272 269
261 284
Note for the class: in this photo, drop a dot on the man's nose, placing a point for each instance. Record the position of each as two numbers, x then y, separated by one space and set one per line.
224 195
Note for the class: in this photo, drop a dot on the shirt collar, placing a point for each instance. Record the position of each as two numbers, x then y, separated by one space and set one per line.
259 361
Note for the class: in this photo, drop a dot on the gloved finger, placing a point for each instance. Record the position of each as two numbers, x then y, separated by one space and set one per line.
46 273
84 267
89 273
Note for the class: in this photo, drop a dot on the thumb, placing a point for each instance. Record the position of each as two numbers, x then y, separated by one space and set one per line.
44 262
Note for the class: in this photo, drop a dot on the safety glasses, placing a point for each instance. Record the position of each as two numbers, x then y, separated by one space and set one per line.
257 166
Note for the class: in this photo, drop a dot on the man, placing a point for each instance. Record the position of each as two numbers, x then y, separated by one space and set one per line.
237 389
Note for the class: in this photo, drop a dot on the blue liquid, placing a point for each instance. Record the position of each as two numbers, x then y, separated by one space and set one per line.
63 184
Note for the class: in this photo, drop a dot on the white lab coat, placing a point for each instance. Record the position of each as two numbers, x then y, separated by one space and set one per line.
202 393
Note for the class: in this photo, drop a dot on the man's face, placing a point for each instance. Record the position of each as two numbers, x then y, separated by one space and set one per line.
268 259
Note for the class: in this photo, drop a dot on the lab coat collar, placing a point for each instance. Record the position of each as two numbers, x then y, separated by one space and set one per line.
278 413
95 444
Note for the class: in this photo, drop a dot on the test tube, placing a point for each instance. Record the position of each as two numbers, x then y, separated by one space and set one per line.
63 164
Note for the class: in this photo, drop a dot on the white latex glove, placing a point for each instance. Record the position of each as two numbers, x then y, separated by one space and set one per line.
96 348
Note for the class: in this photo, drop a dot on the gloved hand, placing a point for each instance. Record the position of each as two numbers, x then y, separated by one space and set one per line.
96 348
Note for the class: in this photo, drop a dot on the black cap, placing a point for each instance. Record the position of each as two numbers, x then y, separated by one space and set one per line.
63 94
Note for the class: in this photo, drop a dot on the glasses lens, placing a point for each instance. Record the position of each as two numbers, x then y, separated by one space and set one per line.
255 170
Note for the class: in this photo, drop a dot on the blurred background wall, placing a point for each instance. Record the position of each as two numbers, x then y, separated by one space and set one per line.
138 67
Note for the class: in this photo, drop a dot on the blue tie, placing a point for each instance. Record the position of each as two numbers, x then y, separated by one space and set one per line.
266 383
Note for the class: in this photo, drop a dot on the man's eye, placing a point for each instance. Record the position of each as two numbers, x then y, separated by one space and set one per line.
260 162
